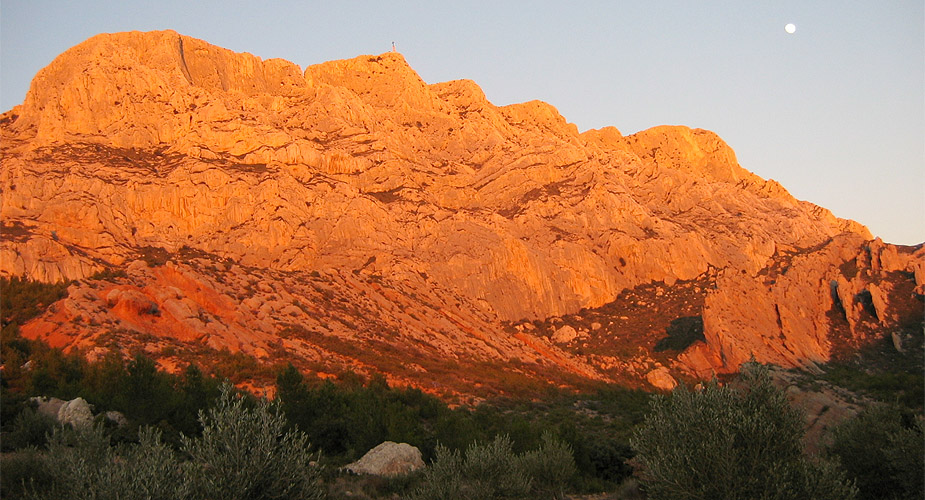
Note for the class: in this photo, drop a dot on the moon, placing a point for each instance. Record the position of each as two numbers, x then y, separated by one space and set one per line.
790 28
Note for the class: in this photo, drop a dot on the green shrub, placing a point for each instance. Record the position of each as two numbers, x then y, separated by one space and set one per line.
882 450
897 385
246 453
21 471
489 470
22 299
493 470
443 479
551 466
30 428
730 443
243 453
83 465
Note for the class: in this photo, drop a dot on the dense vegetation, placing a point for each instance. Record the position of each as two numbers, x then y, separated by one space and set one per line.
883 449
338 419
243 453
728 442
187 436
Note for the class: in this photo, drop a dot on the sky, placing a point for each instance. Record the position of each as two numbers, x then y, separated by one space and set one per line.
835 111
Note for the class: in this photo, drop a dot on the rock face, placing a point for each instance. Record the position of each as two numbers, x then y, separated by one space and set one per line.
388 459
261 208
806 305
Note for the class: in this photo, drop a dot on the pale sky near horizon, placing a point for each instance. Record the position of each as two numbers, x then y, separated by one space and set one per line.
835 111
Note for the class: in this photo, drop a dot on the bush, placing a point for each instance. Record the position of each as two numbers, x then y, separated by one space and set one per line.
493 470
882 450
730 443
345 421
245 453
21 471
551 466
901 385
30 428
83 465
487 471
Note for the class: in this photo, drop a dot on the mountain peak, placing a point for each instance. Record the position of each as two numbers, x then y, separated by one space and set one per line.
134 89
384 80
276 211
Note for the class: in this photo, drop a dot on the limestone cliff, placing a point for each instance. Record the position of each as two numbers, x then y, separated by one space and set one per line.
136 141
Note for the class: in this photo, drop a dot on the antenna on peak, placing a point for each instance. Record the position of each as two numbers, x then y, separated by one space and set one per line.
393 47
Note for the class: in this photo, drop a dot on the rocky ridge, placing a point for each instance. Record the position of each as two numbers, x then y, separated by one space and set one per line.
356 180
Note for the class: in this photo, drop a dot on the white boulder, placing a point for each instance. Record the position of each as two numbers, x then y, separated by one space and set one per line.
388 459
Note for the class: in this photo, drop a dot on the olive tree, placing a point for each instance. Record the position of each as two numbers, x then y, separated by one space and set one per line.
247 453
734 441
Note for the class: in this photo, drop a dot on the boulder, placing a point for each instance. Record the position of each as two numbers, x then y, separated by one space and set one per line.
47 406
75 412
661 378
388 459
564 335
117 418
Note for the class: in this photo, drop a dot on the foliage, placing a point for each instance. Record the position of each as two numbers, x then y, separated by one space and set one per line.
681 333
22 470
904 387
347 419
23 299
108 274
134 387
551 466
489 470
882 450
728 443
237 367
30 428
154 256
83 465
494 470
245 453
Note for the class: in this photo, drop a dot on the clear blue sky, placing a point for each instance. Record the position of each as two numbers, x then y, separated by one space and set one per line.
835 111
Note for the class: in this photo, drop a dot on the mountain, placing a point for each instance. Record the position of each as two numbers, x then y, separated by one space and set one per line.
353 217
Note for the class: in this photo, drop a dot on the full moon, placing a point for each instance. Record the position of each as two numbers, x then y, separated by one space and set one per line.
790 28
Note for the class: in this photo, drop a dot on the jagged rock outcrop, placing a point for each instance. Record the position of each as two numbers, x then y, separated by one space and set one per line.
805 305
156 145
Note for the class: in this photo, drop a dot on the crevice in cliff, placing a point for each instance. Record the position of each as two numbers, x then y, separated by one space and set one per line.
183 66
780 324
836 300
866 300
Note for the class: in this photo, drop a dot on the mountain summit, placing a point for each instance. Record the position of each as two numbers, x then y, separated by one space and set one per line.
352 216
